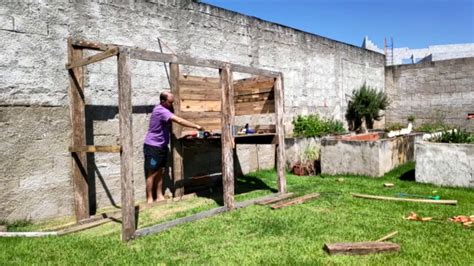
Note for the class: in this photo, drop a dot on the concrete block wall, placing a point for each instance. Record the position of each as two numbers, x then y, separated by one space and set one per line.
319 74
432 91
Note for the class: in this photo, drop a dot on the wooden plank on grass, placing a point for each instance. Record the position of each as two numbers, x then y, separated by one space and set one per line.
92 59
198 216
275 199
364 196
360 248
294 201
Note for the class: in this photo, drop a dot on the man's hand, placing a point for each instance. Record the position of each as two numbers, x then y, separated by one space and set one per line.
200 128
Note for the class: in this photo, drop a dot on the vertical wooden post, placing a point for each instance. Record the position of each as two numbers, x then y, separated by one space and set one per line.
77 116
126 157
227 109
280 131
176 146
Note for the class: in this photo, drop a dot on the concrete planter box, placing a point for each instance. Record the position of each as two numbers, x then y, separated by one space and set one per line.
445 164
367 154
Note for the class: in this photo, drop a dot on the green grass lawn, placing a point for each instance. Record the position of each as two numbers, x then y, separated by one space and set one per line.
259 235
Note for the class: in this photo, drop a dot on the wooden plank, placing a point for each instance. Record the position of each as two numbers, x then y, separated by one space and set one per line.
364 196
201 95
91 45
146 55
227 144
77 117
92 59
252 108
280 131
176 145
360 248
244 86
27 234
294 201
193 80
200 106
195 217
96 148
254 97
126 141
197 115
275 199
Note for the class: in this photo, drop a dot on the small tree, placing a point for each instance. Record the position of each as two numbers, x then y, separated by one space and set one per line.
366 103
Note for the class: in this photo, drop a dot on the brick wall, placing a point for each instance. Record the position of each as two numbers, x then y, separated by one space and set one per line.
432 91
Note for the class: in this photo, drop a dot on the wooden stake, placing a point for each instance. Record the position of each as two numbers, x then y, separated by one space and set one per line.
280 131
294 201
176 145
360 248
447 202
126 138
227 107
77 116
387 236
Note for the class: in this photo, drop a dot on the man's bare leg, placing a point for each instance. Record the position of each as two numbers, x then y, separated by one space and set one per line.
159 183
150 181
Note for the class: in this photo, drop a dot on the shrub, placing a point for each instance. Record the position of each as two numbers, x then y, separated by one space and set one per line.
314 126
432 127
455 136
366 103
411 119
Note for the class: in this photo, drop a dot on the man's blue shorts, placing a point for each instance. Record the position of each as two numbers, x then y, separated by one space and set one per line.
155 157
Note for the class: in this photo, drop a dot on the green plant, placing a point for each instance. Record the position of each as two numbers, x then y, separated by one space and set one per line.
411 118
432 127
455 136
314 126
366 103
394 126
307 161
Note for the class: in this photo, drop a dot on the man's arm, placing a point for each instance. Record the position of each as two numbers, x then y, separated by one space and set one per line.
185 122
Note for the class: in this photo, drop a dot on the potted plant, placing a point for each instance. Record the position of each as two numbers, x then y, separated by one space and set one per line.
307 163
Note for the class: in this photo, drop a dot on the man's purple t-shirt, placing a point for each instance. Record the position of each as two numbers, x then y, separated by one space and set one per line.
159 130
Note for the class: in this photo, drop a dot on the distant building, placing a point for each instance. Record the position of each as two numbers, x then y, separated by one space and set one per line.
405 55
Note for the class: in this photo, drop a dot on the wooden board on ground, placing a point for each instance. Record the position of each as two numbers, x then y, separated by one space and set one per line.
364 196
294 201
198 216
276 199
360 248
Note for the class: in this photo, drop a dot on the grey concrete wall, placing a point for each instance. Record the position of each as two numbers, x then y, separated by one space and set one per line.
432 91
319 73
445 164
368 158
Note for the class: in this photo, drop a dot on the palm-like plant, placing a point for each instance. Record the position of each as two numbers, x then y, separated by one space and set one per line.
366 103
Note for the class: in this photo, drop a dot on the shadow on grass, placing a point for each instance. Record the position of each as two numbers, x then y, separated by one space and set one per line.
408 175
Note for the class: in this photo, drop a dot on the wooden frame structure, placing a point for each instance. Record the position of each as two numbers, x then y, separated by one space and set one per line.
124 54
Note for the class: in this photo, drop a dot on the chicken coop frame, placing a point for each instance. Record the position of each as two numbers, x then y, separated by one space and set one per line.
76 69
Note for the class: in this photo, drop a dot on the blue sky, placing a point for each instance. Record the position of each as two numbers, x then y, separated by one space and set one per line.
413 24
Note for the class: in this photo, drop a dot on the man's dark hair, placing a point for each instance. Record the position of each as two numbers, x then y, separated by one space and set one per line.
164 96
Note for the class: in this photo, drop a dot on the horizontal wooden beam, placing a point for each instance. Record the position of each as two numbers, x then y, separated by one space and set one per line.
198 216
91 45
94 58
294 201
98 148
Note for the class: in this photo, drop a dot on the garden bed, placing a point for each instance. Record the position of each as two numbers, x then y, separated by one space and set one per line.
445 164
369 154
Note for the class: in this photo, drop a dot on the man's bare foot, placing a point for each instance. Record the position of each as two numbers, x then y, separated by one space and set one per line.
160 198
149 200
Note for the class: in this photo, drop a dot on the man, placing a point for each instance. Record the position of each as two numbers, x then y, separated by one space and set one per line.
155 147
